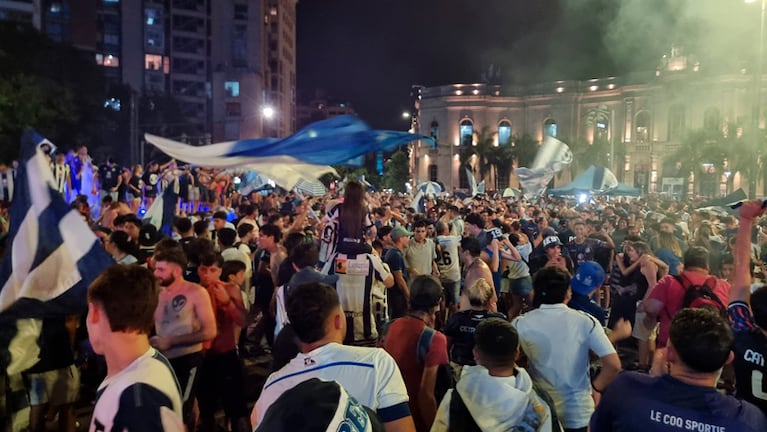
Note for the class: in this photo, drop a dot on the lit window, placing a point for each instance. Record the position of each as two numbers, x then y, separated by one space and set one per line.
435 130
152 62
55 8
232 88
466 132
504 132
273 11
111 61
550 128
99 59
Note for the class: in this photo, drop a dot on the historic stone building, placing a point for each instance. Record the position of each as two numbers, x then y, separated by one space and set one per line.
641 120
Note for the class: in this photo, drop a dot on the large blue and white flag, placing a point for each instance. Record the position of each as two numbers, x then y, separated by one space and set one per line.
306 154
162 212
51 257
552 157
474 187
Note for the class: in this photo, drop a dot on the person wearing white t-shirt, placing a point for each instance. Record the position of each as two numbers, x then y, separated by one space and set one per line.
370 375
557 341
140 391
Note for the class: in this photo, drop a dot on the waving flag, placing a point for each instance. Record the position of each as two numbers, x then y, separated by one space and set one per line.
162 212
51 256
475 188
307 154
552 157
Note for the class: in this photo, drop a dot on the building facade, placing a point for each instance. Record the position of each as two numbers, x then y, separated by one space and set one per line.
640 120
224 61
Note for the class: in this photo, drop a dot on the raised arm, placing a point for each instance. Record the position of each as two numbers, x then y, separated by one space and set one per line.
740 290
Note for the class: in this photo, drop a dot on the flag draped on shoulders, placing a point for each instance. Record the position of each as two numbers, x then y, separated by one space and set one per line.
51 256
307 154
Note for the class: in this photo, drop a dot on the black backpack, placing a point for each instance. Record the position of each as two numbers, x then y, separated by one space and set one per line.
696 296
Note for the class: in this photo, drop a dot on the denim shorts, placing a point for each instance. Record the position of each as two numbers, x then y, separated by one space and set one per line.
452 290
522 286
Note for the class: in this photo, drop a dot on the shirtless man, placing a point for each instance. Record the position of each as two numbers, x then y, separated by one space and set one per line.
184 320
475 268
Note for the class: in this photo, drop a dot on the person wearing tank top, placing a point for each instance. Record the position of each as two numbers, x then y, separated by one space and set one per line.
184 321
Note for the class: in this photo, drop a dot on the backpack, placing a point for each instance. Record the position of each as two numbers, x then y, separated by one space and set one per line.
697 296
445 379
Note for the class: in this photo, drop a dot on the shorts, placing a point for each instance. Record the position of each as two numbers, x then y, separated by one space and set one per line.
187 370
452 292
522 286
640 331
105 193
221 383
193 194
56 387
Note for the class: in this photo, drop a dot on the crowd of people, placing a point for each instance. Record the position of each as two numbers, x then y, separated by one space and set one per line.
480 313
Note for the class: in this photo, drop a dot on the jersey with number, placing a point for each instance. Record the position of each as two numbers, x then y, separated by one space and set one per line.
145 396
447 259
750 356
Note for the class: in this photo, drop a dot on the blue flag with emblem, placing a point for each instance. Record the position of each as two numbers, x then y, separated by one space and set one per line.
51 256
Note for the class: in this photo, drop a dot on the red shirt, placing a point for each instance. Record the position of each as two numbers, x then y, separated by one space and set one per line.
669 292
226 327
401 342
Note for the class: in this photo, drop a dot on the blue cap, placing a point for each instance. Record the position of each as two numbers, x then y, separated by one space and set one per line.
588 276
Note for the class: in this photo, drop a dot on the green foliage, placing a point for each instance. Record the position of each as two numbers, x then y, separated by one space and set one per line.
525 149
57 90
397 171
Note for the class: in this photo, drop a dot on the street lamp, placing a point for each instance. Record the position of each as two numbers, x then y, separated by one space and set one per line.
267 113
757 101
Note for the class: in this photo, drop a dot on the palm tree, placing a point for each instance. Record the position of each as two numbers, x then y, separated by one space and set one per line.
700 148
476 157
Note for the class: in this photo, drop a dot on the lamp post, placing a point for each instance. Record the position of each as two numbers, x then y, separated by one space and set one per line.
267 113
757 101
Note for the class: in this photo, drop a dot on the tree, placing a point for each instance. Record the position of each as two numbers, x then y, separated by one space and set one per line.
525 149
702 153
56 89
479 153
397 171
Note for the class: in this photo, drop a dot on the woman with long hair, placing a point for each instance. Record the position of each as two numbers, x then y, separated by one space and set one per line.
354 224
669 251
707 238
640 271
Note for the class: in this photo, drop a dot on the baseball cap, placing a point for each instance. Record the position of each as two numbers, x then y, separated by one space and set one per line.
315 405
588 276
551 241
399 232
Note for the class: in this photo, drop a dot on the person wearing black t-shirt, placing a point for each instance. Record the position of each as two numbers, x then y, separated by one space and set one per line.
461 325
110 179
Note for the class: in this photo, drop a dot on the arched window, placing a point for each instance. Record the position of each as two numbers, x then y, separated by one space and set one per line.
504 133
435 130
466 132
675 122
433 172
711 118
642 126
550 127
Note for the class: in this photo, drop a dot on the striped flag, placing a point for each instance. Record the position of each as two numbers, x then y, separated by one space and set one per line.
162 212
51 257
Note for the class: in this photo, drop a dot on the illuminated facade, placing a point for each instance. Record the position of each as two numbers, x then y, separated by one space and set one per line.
642 118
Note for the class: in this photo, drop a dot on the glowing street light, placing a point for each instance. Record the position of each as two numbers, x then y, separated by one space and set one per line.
405 114
267 112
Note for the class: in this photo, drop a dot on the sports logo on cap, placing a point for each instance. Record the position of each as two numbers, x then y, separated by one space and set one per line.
551 241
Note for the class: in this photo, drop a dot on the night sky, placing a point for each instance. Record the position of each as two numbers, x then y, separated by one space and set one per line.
370 52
